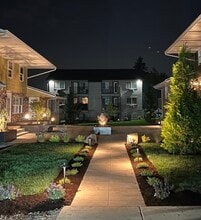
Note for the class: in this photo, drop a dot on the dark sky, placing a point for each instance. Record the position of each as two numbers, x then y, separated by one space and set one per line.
100 34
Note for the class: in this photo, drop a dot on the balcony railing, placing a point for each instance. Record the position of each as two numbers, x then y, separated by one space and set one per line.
110 90
79 90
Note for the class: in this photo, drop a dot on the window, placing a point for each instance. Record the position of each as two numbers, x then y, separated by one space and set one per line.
84 100
17 104
131 85
59 85
75 87
116 101
21 74
106 85
75 100
106 101
115 86
10 69
132 101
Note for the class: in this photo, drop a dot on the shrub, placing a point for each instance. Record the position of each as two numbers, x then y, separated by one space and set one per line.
40 137
83 154
85 150
54 138
55 191
78 158
162 188
138 159
145 139
66 138
88 147
80 138
72 172
142 165
146 173
67 180
76 164
8 192
133 150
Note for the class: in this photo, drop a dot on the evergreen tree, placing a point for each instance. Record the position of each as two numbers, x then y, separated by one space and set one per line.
181 129
111 111
70 109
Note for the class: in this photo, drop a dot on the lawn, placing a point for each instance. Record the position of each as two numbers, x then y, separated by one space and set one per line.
32 167
120 123
184 172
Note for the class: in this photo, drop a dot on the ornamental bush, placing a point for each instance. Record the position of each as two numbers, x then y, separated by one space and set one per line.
181 130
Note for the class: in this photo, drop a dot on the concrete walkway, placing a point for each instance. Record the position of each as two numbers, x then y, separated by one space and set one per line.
109 190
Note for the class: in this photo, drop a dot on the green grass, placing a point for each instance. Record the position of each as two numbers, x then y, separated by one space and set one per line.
32 167
119 123
183 171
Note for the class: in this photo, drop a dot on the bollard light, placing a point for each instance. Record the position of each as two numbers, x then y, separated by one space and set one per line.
132 138
64 166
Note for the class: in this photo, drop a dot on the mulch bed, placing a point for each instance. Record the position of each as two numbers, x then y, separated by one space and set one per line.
40 202
183 198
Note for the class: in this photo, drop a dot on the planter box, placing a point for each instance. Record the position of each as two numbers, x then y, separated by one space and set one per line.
103 130
6 136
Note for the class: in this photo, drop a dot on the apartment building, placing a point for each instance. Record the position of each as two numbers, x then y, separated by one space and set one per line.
95 89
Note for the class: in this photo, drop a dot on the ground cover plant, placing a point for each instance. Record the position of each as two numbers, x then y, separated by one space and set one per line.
32 167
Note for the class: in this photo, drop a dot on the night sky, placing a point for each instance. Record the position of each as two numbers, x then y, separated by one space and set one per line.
100 34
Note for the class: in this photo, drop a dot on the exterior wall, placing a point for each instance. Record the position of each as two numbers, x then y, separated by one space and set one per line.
134 110
96 92
94 97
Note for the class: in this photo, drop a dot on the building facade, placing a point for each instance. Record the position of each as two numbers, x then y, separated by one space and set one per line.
16 58
95 90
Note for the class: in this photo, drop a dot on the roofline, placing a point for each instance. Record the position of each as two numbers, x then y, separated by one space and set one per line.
41 91
45 63
173 44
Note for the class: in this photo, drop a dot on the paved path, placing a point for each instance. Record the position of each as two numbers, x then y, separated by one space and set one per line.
108 185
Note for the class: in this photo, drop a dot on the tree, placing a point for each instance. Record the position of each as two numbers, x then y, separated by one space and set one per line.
181 129
111 111
70 109
38 110
139 66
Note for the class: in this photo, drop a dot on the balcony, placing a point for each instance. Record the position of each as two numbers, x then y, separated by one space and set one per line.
110 90
79 90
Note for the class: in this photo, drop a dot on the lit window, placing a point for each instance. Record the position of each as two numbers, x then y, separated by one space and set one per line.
10 69
85 100
21 74
17 104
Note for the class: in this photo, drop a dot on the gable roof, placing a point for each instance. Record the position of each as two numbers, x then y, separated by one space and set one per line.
93 74
35 92
14 49
191 38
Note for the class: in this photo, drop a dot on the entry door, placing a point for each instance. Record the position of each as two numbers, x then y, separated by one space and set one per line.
8 106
